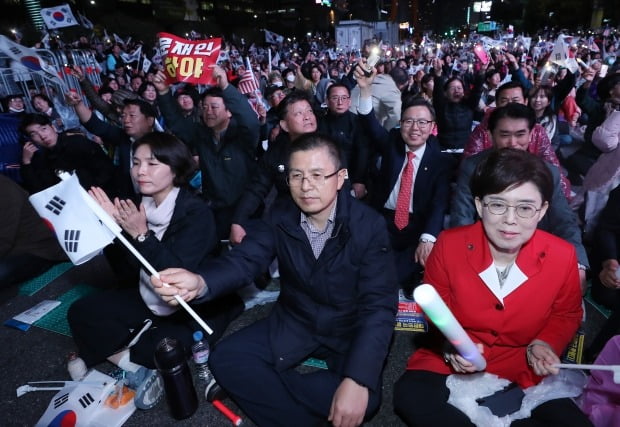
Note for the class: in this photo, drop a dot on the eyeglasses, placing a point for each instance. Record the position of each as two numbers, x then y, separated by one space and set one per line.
422 123
523 210
337 98
295 179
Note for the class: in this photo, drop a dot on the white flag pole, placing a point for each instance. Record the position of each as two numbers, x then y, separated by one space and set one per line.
109 222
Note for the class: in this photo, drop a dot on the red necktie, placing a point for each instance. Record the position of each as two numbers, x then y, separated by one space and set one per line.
401 217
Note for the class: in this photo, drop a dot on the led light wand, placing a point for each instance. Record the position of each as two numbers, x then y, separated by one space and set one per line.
427 297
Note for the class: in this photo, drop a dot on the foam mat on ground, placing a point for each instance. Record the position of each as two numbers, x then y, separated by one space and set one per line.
31 286
56 320
604 311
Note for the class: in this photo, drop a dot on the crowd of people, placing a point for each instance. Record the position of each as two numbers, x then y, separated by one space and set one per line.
495 180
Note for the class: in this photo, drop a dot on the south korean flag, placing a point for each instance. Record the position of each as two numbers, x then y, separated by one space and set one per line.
66 211
58 17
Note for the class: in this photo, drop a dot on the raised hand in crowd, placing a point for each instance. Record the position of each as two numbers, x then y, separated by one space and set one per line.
219 75
159 81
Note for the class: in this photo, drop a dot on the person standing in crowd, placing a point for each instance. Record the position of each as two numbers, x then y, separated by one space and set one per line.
225 142
514 288
337 301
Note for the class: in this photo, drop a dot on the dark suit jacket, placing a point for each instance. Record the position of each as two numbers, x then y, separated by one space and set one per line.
431 188
344 302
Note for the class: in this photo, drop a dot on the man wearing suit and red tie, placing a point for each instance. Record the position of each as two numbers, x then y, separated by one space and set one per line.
413 187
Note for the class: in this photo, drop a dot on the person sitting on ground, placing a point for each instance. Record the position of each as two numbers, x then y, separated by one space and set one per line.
46 152
138 119
337 303
42 104
480 138
412 189
170 227
514 288
606 272
511 127
225 142
296 119
27 246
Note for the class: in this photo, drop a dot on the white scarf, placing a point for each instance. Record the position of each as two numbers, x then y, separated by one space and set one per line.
157 219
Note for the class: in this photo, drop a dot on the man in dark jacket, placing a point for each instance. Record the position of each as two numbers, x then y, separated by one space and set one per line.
225 142
338 301
47 152
343 125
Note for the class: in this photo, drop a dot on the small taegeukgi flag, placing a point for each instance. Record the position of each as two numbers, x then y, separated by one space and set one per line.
64 209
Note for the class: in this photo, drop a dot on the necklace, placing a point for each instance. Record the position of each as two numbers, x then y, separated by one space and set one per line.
502 274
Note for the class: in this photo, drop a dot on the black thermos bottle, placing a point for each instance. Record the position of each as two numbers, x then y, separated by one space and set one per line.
178 384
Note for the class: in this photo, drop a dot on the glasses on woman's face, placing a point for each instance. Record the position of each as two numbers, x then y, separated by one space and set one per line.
422 123
315 179
523 210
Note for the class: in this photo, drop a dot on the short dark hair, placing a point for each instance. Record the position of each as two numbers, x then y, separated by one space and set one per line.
291 98
508 86
399 75
337 85
145 108
43 97
417 102
507 168
312 141
34 119
214 92
169 150
144 86
453 79
512 111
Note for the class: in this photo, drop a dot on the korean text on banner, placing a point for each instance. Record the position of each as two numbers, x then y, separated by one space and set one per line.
189 61
80 233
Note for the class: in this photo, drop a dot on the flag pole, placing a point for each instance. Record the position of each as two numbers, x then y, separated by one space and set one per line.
109 222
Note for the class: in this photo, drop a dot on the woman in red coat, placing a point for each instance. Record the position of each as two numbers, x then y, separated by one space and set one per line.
514 289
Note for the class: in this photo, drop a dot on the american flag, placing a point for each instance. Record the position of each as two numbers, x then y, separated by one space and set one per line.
247 83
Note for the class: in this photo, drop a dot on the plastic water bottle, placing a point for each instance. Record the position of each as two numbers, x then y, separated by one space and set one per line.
200 354
76 366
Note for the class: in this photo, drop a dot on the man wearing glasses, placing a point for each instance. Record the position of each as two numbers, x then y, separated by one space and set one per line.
511 127
337 302
413 186
344 127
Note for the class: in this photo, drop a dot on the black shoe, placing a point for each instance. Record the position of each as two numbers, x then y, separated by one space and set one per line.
215 392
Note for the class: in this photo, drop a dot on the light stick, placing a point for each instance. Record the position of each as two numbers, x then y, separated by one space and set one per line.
109 222
439 313
234 418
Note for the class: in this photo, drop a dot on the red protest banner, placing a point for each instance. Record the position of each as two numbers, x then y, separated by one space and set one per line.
189 61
